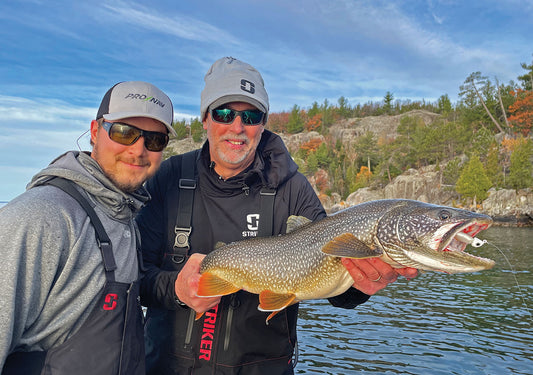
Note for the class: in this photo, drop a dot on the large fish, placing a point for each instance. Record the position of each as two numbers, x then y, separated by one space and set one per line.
306 263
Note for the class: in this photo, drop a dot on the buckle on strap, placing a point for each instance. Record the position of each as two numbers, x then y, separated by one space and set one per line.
182 237
185 183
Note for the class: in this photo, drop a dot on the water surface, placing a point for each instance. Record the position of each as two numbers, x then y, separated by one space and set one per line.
434 324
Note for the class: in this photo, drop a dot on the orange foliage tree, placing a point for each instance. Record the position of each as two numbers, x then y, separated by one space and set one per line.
364 176
311 146
314 122
521 118
277 122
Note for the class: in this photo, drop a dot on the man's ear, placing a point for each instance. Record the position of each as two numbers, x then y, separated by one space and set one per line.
94 130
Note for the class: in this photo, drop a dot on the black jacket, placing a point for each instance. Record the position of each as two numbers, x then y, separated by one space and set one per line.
233 338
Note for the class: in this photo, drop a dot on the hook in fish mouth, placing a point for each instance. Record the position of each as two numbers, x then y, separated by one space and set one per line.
457 238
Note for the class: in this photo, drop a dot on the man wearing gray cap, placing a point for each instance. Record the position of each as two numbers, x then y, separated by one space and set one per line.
243 183
69 247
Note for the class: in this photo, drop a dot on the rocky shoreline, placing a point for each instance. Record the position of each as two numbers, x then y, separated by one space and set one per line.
506 206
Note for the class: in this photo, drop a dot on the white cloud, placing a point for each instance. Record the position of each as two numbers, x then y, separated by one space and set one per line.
43 111
180 26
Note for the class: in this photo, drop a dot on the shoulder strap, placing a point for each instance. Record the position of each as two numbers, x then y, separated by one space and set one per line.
187 185
102 239
267 212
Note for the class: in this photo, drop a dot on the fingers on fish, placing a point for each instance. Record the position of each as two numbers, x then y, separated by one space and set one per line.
275 302
348 246
213 286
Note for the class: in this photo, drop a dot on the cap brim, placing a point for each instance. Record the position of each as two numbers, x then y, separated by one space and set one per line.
237 98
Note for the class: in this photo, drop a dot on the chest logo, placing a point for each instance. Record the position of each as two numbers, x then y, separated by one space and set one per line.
110 301
253 221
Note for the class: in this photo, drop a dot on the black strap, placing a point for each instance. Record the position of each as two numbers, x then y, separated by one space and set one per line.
24 363
266 221
187 185
102 239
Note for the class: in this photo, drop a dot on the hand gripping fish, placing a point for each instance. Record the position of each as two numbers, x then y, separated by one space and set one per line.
306 263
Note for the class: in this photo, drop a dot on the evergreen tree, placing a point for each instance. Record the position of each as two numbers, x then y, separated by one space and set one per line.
473 181
322 155
312 163
521 169
527 78
387 101
344 108
492 166
296 123
197 130
314 110
181 129
444 104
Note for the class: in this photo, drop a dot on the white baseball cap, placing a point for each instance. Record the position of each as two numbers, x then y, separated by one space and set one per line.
137 99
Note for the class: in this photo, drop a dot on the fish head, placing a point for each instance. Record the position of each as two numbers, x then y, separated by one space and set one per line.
432 237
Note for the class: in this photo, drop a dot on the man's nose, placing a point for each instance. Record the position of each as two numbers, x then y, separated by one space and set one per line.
237 125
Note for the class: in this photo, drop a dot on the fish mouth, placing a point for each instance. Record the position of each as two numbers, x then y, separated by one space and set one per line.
455 238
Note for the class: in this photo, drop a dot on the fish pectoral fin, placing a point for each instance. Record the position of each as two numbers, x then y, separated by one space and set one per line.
212 286
270 301
198 315
348 246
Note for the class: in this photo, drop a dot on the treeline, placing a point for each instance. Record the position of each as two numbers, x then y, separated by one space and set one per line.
482 141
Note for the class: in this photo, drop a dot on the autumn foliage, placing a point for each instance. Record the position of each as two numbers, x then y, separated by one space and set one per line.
521 118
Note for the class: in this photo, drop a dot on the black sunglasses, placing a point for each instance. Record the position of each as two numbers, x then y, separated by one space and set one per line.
227 115
128 134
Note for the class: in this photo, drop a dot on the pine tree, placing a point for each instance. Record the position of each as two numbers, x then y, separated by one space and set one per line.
473 181
296 123
521 168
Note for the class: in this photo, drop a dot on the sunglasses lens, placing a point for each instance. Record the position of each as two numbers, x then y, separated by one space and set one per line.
252 117
124 134
227 115
127 135
224 115
154 141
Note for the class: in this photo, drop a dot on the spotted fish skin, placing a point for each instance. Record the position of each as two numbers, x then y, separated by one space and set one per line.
306 263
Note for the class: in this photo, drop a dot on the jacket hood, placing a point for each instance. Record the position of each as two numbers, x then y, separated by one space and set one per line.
272 166
84 171
273 161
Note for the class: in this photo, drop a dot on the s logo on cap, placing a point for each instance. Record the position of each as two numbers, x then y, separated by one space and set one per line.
247 86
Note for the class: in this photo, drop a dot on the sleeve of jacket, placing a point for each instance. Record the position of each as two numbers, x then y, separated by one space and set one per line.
32 238
309 205
157 285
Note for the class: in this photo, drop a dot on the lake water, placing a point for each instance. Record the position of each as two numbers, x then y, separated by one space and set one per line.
434 324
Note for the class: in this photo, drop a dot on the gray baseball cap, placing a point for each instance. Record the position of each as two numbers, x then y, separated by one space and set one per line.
137 99
231 80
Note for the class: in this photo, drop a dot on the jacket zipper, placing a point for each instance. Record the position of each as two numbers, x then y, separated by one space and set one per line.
190 326
126 317
229 320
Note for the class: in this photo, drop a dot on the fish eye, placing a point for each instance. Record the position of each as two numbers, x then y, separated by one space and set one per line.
444 215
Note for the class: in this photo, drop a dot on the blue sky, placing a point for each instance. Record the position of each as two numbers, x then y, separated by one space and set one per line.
58 57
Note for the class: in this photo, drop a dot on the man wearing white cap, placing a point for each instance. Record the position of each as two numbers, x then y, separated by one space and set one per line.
69 247
243 183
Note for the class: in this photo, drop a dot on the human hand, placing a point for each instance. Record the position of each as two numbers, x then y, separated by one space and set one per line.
186 286
372 274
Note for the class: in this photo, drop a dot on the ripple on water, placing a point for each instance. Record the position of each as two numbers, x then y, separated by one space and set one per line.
435 324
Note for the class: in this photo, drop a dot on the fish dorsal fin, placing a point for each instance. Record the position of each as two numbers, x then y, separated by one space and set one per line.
213 286
270 301
294 222
348 246
219 244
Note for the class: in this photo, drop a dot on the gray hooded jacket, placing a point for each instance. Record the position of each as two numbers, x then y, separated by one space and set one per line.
51 268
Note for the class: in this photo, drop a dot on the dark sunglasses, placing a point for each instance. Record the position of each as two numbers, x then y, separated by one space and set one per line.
227 115
128 134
